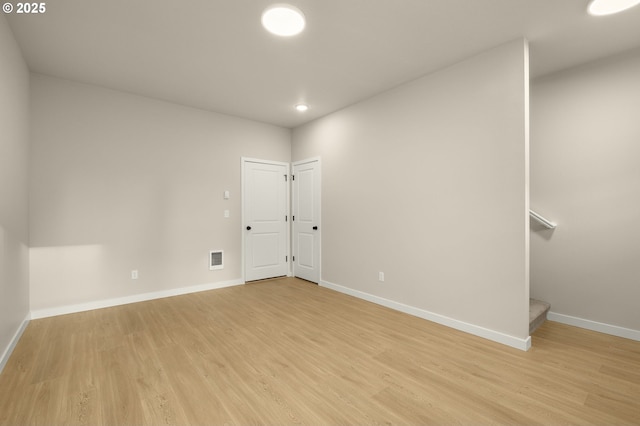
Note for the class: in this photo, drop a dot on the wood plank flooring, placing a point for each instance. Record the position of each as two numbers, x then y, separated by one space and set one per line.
287 352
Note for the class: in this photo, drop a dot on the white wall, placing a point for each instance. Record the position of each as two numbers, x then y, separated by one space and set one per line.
585 175
14 232
122 182
429 184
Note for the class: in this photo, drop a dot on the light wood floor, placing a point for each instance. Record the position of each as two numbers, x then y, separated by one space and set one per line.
286 351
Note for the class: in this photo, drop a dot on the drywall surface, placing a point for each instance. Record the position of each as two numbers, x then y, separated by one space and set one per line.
428 183
122 182
14 148
585 175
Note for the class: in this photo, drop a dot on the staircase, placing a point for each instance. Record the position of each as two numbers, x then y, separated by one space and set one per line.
537 314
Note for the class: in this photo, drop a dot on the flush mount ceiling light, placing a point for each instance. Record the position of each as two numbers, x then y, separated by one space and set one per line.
283 20
302 107
609 7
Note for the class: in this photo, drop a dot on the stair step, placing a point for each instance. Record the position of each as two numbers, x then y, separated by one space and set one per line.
537 314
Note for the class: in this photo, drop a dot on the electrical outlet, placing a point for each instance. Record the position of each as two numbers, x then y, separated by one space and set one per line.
381 276
134 274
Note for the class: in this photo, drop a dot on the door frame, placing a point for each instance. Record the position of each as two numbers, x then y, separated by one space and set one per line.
243 161
320 227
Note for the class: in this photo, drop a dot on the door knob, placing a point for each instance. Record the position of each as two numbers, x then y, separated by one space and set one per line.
248 228
315 228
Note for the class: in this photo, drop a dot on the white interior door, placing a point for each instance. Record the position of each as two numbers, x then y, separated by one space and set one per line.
306 220
265 199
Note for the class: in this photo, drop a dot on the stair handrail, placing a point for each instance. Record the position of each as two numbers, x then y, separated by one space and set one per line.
545 222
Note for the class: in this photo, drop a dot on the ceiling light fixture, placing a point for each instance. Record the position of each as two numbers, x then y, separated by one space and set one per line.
609 7
302 107
283 20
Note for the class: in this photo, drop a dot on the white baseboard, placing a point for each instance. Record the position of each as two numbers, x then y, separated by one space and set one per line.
496 336
99 304
614 330
14 341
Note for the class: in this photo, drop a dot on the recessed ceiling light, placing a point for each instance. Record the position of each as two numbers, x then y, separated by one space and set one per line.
609 7
302 107
283 20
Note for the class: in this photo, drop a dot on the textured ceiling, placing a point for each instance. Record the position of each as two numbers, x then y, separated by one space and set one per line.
214 54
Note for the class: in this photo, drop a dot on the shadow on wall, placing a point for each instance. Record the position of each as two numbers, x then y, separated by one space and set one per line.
540 229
